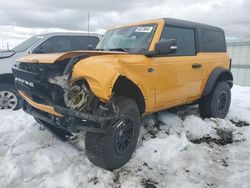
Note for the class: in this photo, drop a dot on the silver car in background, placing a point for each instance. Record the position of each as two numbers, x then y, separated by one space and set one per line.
39 44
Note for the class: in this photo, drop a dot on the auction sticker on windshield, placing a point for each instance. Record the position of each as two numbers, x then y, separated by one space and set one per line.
144 29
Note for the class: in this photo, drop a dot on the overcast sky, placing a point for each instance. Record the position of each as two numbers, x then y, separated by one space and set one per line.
20 19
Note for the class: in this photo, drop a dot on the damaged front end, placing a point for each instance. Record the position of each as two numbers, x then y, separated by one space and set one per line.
63 107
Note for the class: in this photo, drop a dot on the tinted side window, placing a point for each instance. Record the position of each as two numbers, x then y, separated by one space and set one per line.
185 39
54 45
212 40
82 42
59 44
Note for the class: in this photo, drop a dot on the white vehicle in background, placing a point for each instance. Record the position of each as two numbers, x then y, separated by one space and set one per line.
39 44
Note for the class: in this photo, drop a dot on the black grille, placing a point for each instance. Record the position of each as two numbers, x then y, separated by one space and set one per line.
36 68
43 91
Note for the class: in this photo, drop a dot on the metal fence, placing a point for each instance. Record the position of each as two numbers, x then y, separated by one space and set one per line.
239 51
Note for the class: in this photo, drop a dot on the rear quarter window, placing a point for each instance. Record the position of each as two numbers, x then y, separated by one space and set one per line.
212 41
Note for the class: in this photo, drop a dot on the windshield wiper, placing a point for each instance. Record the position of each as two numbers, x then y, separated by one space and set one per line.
99 49
113 49
119 49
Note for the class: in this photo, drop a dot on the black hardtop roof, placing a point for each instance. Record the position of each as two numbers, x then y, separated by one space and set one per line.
178 22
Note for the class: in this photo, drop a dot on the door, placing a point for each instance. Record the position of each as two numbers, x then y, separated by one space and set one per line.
179 74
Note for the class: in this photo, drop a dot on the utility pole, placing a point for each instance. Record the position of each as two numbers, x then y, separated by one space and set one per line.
2 38
88 21
88 27
90 47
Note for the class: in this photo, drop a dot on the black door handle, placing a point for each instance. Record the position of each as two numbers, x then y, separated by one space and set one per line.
196 66
150 69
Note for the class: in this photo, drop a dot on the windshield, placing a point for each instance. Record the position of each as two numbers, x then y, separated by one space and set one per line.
27 43
131 39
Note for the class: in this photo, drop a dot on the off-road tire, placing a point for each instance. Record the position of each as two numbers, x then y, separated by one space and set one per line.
209 105
102 149
10 88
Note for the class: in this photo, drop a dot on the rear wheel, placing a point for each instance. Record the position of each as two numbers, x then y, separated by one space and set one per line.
9 98
217 103
114 149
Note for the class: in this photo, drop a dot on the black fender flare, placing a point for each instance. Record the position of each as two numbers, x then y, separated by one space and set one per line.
218 73
72 62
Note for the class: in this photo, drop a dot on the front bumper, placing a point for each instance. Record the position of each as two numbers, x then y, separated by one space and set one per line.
60 117
66 119
45 108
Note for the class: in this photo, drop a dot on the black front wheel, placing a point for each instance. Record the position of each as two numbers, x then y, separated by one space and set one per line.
114 149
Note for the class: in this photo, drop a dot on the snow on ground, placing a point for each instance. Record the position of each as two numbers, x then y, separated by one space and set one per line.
179 149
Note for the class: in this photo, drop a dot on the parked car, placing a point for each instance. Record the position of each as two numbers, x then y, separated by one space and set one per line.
40 44
137 69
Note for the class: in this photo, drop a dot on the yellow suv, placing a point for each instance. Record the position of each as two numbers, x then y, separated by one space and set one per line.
136 69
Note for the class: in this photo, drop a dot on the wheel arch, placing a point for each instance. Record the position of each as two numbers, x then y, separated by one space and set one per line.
126 88
217 74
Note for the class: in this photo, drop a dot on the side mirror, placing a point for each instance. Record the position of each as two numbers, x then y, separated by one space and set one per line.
165 47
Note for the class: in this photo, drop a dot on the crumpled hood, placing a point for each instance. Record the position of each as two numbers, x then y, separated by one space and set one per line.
56 57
